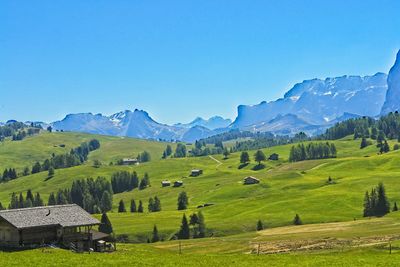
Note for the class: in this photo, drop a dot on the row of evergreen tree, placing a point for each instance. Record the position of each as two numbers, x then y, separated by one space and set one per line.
93 195
19 202
319 150
386 126
195 227
124 181
376 202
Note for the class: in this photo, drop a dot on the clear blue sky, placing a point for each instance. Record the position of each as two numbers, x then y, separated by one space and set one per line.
181 59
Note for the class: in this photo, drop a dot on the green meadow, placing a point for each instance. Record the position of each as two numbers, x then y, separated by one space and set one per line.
333 209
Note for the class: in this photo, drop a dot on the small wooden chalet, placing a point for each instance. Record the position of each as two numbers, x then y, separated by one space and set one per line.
250 180
68 226
128 161
178 183
165 183
196 173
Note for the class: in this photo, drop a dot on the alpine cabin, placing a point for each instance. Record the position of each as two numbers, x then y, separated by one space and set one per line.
250 180
68 226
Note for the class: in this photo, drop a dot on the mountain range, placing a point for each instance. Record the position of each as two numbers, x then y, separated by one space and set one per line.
310 106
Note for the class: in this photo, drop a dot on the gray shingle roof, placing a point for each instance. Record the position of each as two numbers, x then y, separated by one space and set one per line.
63 215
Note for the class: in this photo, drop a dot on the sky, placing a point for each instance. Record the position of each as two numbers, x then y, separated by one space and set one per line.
181 59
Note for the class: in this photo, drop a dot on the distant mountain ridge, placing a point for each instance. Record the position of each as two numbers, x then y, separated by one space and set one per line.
310 106
319 102
139 124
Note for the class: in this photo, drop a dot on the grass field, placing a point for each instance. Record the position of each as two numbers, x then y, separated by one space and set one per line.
285 189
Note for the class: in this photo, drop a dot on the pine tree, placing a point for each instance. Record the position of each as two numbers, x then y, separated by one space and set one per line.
155 237
244 157
367 205
151 205
382 204
259 156
52 200
1 207
297 220
29 195
21 201
157 204
140 208
38 202
121 206
106 202
364 143
260 225
133 206
184 232
105 226
183 201
202 225
395 207
226 153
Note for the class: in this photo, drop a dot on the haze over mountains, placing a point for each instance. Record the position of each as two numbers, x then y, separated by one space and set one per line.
310 106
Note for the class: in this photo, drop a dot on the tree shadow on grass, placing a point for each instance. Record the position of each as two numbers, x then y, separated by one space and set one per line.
241 166
48 178
258 167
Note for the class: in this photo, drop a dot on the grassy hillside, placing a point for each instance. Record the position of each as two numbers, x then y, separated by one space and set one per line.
285 188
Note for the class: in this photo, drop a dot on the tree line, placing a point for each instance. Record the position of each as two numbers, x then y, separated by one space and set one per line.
124 181
376 202
93 195
30 200
320 150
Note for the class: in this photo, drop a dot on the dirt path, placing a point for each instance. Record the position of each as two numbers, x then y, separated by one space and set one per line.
219 162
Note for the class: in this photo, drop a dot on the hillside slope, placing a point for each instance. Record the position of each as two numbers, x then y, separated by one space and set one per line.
285 188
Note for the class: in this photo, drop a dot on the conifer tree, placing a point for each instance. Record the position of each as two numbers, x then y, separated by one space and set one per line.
184 232
140 208
364 143
202 225
105 226
121 206
182 201
157 204
367 205
382 204
395 207
259 156
244 157
52 200
106 202
151 205
51 172
38 202
1 207
260 225
155 237
297 220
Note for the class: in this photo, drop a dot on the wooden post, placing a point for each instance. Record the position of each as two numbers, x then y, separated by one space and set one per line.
390 247
180 247
258 249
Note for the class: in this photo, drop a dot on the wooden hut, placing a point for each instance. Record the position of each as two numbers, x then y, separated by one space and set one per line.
196 173
250 180
68 226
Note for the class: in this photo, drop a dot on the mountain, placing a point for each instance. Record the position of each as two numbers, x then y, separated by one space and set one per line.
392 102
87 123
137 123
288 124
319 102
212 123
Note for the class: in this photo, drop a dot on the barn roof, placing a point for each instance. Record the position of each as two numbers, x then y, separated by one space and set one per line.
63 215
